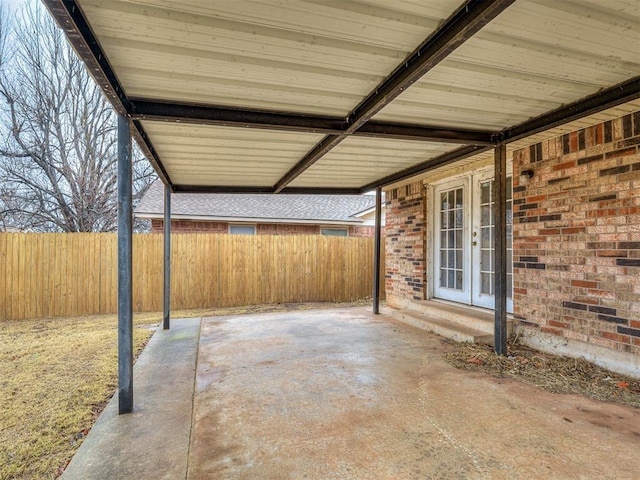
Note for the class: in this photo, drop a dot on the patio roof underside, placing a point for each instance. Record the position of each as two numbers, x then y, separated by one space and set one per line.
346 96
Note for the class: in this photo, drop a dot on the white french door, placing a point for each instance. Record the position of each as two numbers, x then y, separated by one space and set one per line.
451 253
464 233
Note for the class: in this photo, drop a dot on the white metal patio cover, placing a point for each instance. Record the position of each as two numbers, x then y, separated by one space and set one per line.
346 96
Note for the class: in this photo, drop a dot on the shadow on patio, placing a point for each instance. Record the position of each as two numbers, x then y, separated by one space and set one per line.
339 394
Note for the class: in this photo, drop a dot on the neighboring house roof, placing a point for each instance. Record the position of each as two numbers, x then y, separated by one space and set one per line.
325 209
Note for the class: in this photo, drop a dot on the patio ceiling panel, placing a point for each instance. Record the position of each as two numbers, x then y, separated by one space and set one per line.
206 155
293 56
359 161
534 57
318 67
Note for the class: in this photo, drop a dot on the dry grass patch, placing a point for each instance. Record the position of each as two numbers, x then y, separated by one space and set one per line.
550 372
57 375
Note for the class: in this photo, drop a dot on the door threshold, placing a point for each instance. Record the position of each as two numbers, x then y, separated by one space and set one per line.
466 306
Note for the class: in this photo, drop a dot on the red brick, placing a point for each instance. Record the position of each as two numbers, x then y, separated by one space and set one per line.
612 253
573 230
552 330
616 337
564 165
554 323
584 284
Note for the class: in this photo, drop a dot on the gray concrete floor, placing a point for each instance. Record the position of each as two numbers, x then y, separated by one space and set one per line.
344 394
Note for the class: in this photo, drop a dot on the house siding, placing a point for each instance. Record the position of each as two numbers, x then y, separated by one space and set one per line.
405 231
577 235
193 226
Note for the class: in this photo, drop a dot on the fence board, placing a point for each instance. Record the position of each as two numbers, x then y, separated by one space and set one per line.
56 275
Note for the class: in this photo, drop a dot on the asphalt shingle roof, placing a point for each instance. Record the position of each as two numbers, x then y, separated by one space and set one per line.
256 206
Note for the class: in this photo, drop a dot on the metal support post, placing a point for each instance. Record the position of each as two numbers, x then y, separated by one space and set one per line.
125 269
500 266
167 259
376 252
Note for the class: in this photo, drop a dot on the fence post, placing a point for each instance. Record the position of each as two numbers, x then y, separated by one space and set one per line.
3 276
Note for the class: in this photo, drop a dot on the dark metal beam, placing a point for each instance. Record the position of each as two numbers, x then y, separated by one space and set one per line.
376 252
611 97
266 190
125 268
320 150
425 133
152 110
457 29
71 19
439 161
166 322
234 117
144 142
500 255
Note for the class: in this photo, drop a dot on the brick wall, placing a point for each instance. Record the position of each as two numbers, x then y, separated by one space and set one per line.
365 231
286 229
577 235
191 226
405 231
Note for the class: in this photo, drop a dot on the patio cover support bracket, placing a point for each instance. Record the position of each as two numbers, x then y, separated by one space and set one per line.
500 259
376 252
166 317
125 268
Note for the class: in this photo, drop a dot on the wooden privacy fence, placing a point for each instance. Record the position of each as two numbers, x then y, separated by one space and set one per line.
58 275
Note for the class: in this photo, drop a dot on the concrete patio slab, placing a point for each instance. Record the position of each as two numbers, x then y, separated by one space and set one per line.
152 441
343 394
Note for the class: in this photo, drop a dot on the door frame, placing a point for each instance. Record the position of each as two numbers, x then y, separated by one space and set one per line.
463 296
432 214
477 298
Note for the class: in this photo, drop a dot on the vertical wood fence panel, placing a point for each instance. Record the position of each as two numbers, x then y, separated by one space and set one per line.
58 275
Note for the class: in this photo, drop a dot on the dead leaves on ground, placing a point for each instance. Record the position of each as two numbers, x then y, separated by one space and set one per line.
552 373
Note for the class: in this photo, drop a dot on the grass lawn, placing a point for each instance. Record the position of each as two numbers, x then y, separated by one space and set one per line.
56 376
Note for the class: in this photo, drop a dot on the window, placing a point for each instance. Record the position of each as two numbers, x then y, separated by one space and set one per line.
242 229
335 232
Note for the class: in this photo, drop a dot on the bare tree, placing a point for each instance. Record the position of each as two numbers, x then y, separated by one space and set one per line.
57 133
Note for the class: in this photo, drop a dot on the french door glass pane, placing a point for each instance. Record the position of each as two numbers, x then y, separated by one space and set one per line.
452 221
487 236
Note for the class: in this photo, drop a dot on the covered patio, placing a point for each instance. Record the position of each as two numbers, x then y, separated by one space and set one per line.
345 97
294 96
342 394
